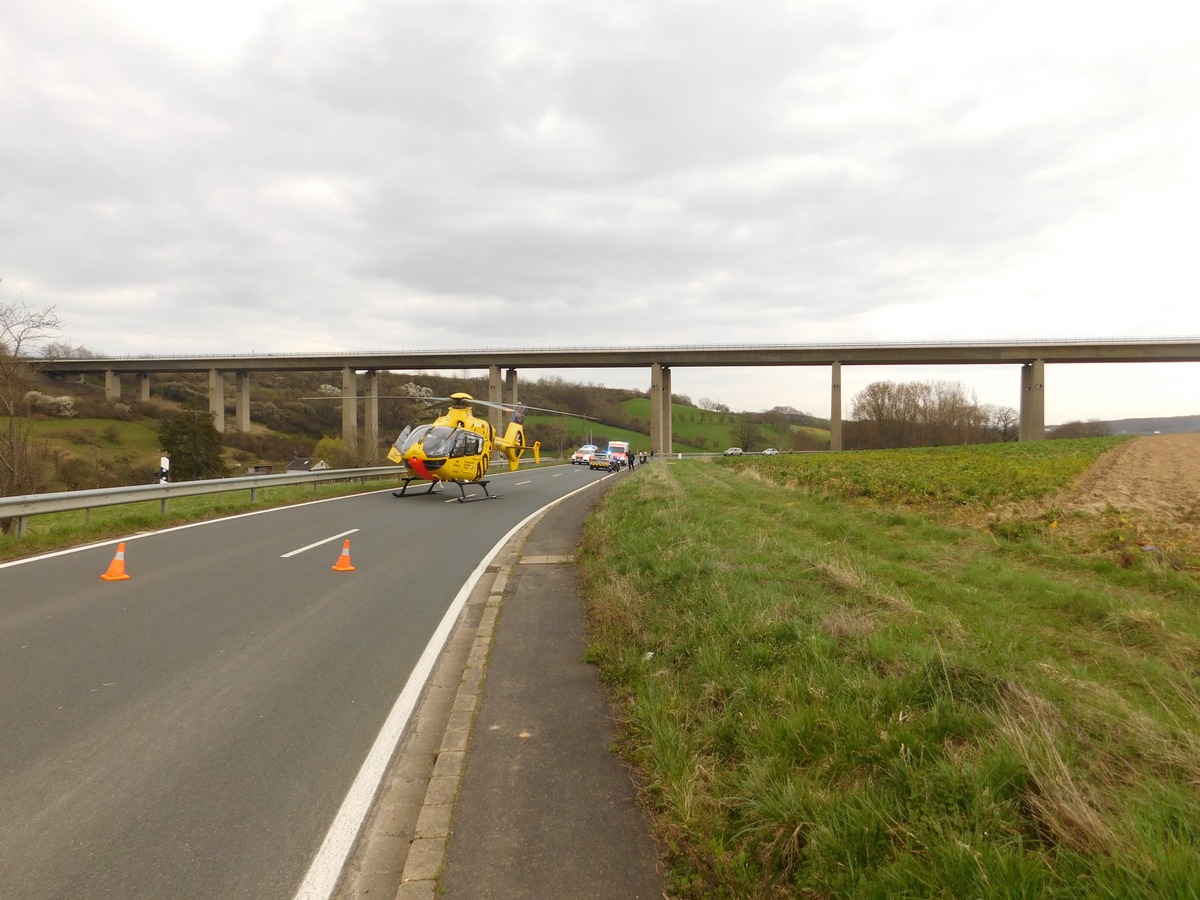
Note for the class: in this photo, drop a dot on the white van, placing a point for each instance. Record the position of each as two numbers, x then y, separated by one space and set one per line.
619 450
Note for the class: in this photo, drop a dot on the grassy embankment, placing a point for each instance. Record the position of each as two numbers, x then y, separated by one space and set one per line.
718 430
833 689
688 422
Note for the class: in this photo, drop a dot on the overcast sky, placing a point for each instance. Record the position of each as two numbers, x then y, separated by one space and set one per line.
268 176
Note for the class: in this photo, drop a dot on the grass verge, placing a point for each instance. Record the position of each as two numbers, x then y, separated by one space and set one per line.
832 697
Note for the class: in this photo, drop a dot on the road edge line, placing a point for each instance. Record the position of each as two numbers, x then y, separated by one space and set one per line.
325 871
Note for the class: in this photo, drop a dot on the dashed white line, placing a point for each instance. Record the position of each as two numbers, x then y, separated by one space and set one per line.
318 543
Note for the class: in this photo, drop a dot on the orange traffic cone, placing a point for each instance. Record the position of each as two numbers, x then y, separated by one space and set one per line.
343 563
116 568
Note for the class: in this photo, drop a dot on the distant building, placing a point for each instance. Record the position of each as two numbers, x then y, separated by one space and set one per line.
259 469
307 464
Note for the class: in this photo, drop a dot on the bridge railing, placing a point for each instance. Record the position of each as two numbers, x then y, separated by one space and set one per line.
26 505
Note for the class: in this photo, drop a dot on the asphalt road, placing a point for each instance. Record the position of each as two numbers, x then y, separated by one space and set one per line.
192 732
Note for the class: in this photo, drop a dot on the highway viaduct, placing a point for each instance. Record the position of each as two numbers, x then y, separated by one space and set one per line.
502 367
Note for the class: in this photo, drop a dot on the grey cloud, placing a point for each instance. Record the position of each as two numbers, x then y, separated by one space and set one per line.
521 163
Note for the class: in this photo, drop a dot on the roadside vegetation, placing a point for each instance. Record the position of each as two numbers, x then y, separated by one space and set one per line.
846 676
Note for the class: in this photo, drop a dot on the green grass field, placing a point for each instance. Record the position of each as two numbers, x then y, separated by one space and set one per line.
107 438
717 430
830 690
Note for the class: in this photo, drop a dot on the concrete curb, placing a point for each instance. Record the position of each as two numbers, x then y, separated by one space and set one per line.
403 846
427 853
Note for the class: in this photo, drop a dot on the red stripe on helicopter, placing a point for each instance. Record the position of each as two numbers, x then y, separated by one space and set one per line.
418 465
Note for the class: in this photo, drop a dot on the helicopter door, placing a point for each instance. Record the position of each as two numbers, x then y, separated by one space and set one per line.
466 443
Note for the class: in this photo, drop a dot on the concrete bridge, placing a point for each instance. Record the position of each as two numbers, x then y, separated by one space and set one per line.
502 367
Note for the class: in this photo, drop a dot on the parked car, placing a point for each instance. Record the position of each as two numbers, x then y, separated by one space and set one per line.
603 461
734 451
770 451
584 455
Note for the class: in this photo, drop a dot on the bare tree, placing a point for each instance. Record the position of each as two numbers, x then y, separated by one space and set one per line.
20 329
747 433
555 437
918 414
1003 421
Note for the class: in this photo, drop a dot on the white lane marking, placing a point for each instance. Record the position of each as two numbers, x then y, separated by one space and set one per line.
523 482
325 871
144 534
318 543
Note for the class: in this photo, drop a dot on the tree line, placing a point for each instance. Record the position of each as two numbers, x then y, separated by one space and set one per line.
924 414
887 414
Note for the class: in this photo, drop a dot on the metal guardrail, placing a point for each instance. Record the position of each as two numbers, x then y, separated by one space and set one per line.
26 505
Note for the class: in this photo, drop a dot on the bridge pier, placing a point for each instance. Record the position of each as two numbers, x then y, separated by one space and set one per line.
835 409
350 407
216 398
661 436
510 387
495 395
241 401
371 416
1033 400
112 386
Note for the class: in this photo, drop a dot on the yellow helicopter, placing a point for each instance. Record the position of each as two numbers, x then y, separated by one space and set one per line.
457 447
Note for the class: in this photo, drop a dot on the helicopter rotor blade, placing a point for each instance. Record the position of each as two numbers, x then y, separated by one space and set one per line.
370 397
506 407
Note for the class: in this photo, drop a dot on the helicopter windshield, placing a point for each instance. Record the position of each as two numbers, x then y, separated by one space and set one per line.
410 436
437 440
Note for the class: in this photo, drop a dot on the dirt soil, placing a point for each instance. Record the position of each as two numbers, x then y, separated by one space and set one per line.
1150 487
1158 474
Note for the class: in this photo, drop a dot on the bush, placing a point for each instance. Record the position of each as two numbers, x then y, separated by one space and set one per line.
63 407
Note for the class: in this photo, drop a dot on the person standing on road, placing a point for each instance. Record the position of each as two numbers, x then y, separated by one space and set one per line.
629 455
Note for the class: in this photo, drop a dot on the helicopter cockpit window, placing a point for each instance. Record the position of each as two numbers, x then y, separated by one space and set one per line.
410 437
438 440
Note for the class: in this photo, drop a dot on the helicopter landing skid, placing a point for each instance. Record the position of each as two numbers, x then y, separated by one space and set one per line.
408 481
487 495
